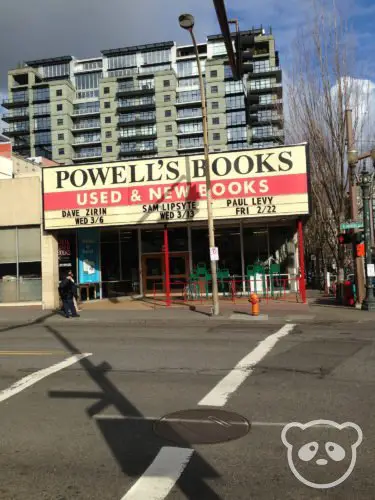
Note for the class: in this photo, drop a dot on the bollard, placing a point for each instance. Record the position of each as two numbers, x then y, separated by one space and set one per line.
254 301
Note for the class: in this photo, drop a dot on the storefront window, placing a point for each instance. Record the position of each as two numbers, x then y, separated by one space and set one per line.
20 265
152 240
129 261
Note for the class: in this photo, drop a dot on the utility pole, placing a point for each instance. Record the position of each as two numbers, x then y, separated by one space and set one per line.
352 161
366 181
187 22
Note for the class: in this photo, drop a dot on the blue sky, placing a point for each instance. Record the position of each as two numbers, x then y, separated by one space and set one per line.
37 29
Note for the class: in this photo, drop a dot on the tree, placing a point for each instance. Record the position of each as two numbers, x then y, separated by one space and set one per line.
320 89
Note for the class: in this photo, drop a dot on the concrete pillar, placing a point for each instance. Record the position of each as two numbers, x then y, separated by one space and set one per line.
50 271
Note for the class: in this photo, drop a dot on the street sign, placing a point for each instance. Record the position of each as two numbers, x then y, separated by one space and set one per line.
371 270
351 225
214 253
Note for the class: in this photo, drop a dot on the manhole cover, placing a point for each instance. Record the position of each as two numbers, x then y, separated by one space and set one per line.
201 426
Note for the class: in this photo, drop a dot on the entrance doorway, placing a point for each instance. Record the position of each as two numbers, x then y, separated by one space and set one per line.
153 272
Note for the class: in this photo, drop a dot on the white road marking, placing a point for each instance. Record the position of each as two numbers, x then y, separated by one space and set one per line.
35 377
160 477
231 382
163 473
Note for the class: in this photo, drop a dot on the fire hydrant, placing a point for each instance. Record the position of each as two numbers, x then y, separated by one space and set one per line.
254 301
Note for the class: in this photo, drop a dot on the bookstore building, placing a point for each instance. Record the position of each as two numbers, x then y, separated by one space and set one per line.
110 222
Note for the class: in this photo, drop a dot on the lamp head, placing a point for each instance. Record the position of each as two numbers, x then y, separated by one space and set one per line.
353 157
186 21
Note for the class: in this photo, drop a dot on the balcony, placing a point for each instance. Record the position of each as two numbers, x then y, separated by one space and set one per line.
87 111
125 89
19 102
137 137
268 135
265 89
87 141
266 119
90 154
269 104
184 133
136 121
266 71
190 146
192 99
187 117
12 131
86 126
15 116
138 151
135 105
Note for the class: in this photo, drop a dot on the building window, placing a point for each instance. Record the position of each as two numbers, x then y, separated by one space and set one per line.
61 151
167 98
60 121
216 137
235 102
107 119
59 107
214 89
108 149
168 128
106 90
60 137
43 123
215 120
169 143
214 105
213 73
167 113
20 259
58 92
41 94
166 83
236 118
108 134
107 105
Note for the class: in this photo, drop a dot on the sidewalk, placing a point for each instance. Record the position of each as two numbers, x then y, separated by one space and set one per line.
146 313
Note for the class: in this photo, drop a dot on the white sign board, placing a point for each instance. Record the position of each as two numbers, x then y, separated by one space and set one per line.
371 270
214 253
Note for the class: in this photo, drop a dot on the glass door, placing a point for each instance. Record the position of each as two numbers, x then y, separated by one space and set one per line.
153 270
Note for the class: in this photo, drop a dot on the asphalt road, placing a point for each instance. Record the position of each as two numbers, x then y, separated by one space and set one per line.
90 431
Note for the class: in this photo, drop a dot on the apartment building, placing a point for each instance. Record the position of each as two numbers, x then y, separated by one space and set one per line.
143 101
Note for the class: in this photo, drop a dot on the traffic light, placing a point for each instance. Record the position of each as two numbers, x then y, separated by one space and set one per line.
360 237
245 46
360 249
344 238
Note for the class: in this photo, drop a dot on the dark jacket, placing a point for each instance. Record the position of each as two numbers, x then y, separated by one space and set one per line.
67 289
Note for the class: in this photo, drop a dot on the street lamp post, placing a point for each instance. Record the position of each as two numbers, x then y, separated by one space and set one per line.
366 179
187 22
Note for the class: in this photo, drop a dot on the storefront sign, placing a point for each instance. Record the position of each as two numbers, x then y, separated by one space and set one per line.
88 255
245 184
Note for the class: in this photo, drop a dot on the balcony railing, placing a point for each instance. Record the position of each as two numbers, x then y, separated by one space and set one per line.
87 125
90 153
190 144
191 97
86 111
15 101
125 87
15 115
87 140
16 131
137 148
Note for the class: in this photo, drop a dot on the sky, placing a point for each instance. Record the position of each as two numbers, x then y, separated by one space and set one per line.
82 28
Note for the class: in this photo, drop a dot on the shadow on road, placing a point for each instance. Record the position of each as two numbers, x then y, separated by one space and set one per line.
132 440
38 321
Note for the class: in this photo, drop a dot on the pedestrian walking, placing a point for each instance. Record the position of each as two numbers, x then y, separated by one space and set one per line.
68 292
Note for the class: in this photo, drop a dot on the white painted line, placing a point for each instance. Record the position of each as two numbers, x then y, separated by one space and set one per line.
231 382
160 477
35 377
